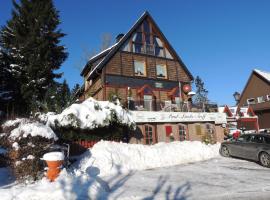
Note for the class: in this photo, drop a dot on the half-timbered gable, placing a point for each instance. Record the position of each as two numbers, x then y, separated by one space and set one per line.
143 56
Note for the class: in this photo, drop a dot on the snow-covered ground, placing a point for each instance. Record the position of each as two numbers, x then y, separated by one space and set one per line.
178 170
216 179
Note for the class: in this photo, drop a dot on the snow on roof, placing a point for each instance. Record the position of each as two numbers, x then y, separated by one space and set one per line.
26 127
109 48
90 114
266 75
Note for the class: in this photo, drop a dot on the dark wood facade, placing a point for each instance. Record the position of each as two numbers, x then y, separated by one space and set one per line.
141 67
257 94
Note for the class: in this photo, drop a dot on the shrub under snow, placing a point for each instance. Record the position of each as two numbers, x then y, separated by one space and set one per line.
89 115
112 157
26 142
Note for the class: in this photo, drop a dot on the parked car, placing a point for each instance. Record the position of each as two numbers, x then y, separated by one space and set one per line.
249 146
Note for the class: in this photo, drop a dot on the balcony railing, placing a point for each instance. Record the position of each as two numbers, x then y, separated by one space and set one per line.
169 106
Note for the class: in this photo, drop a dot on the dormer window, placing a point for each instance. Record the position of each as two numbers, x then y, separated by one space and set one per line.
161 71
250 101
139 68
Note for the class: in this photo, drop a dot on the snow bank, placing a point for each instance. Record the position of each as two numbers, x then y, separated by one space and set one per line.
53 156
27 127
89 114
65 187
112 157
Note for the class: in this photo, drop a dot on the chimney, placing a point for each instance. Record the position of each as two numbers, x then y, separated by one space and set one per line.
118 37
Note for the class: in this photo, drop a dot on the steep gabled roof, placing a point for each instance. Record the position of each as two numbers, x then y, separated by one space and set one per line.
263 74
111 52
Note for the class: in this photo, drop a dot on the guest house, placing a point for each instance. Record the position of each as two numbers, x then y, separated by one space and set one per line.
143 70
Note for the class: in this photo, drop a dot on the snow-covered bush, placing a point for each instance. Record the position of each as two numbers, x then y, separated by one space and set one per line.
89 115
26 141
90 120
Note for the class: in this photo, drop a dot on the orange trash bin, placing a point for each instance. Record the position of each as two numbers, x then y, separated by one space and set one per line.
54 161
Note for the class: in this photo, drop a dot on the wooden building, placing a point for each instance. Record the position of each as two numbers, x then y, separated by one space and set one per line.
142 66
144 71
242 118
256 94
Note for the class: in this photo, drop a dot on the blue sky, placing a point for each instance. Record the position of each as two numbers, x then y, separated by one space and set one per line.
221 41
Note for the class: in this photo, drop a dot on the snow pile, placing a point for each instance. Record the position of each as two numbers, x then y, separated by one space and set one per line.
89 114
15 122
34 129
65 187
112 157
53 156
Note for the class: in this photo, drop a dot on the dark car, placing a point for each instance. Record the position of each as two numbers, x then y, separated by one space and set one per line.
249 146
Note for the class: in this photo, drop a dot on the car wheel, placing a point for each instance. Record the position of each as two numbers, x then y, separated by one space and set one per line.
225 151
264 159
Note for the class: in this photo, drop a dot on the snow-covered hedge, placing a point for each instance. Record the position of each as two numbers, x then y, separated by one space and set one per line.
26 141
89 115
112 157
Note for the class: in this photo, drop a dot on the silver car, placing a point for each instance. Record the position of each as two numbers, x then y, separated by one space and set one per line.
249 146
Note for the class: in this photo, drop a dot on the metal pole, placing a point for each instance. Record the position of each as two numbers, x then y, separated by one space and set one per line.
180 96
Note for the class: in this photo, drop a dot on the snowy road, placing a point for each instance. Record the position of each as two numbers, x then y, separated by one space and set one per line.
219 178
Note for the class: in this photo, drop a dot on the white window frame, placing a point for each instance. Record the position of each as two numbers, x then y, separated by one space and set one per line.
144 70
164 67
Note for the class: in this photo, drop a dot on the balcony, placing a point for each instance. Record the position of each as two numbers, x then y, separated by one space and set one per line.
169 106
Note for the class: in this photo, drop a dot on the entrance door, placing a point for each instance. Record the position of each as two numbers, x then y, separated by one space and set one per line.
149 134
147 101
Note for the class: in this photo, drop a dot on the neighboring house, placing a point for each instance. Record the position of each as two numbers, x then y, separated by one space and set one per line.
144 71
240 117
256 94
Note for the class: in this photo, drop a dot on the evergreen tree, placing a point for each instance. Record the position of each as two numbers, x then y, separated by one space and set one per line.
32 42
65 95
9 92
201 93
74 92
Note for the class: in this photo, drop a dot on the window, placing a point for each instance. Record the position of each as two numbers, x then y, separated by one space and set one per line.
139 68
148 134
137 42
257 139
251 101
261 99
182 132
159 50
210 128
161 71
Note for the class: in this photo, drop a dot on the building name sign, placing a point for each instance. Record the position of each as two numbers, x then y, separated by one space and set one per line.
164 117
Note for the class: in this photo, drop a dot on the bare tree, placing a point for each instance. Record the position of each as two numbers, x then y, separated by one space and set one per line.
106 41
